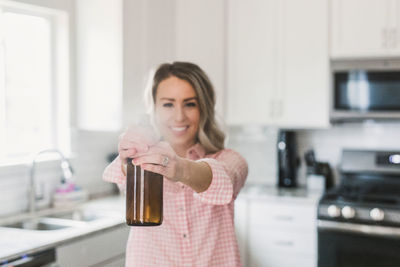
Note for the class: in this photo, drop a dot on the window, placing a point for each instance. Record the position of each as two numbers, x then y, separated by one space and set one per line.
33 81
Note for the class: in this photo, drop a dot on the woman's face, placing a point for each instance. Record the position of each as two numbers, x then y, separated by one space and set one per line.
177 113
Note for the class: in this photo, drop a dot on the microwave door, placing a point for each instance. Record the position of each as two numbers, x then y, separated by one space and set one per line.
365 94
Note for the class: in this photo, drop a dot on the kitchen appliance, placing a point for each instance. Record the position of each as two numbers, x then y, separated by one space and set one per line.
365 89
319 174
288 160
359 220
45 258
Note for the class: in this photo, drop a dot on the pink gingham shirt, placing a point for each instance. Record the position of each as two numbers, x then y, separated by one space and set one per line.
198 228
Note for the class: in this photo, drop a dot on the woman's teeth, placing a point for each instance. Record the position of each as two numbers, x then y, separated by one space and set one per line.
178 129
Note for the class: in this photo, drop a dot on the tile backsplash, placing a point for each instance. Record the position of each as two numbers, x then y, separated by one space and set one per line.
329 143
258 146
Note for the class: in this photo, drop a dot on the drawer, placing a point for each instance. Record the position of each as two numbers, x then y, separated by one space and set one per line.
95 250
281 242
283 215
282 261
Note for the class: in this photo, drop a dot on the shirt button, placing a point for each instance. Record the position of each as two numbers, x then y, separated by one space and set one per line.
183 186
184 235
181 209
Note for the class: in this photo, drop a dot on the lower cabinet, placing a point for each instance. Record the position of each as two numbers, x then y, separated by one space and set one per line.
106 248
277 232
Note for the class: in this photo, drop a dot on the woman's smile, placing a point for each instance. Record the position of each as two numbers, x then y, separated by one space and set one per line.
179 130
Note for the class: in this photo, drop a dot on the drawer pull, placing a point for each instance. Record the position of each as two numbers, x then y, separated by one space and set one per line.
284 218
284 243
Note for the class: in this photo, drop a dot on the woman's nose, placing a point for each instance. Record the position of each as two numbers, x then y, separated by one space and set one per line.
179 114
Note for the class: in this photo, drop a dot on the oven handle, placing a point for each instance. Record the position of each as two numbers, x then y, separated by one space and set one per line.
359 228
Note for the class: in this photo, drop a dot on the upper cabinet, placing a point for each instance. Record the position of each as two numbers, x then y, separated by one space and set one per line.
278 65
303 66
365 28
252 61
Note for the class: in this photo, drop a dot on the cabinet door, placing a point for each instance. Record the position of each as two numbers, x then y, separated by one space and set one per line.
282 233
395 5
102 249
252 57
360 28
303 90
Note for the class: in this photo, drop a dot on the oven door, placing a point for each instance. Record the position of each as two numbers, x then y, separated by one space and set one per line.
355 245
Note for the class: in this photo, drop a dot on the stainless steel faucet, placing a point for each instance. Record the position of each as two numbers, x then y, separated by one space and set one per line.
66 170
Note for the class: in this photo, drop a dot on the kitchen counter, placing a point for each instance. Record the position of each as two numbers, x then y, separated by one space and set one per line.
260 192
16 242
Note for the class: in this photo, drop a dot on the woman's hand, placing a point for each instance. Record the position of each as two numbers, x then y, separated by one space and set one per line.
162 159
136 139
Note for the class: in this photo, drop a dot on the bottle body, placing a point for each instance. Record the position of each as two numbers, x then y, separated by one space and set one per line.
144 197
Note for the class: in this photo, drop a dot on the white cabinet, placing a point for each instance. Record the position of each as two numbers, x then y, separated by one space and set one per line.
106 248
365 28
278 232
278 63
303 90
252 61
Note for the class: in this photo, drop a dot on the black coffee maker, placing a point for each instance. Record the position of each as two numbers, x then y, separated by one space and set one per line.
288 161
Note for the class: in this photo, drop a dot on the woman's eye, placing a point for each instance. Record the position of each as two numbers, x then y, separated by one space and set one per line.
191 104
167 105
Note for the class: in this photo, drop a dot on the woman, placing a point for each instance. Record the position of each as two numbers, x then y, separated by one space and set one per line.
201 178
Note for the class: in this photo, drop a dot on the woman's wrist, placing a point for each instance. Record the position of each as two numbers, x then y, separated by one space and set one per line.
197 175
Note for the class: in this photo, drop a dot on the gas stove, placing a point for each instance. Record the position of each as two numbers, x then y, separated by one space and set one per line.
369 191
359 220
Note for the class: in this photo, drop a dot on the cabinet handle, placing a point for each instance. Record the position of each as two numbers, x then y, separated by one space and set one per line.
271 108
284 243
280 108
393 37
384 38
284 218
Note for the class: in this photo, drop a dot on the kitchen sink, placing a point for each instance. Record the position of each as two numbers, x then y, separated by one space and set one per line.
78 215
40 224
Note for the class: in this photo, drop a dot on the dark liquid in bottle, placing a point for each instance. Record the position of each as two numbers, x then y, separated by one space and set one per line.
144 197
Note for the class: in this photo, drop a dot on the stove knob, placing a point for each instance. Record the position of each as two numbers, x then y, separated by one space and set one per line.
377 214
334 211
348 212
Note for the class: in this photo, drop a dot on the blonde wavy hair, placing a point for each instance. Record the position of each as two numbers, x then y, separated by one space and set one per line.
210 136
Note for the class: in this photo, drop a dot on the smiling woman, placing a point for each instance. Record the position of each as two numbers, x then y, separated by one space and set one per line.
33 80
201 178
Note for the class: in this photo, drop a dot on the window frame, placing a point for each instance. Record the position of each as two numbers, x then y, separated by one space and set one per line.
59 81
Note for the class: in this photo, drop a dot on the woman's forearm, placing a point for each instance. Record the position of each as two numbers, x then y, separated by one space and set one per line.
197 175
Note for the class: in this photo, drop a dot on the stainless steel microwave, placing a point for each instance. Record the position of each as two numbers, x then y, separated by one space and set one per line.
365 89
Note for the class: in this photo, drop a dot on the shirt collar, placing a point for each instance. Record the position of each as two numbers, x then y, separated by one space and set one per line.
196 152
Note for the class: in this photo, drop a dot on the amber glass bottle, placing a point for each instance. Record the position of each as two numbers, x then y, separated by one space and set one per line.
144 197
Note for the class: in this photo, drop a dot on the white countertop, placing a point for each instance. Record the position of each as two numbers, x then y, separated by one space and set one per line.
15 242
